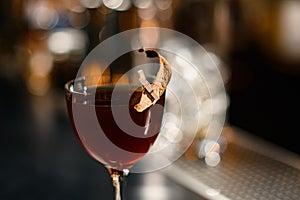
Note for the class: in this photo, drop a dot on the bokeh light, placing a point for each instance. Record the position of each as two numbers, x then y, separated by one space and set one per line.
40 67
147 13
163 4
113 4
143 4
42 16
67 41
289 30
91 3
125 5
149 37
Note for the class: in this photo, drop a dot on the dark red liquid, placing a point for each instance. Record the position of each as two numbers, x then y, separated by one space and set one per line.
110 129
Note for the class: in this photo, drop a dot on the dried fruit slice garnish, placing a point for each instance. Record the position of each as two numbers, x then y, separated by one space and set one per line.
153 91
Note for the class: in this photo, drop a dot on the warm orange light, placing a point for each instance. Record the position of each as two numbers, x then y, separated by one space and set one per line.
99 76
38 85
149 37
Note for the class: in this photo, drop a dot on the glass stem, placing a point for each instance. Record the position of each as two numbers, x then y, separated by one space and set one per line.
118 182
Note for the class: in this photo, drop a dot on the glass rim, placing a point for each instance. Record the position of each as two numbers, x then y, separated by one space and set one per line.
79 78
83 78
68 84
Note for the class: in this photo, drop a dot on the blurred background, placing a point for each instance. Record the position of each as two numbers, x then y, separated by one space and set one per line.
43 42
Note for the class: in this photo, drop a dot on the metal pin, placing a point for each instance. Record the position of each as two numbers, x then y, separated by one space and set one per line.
146 84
